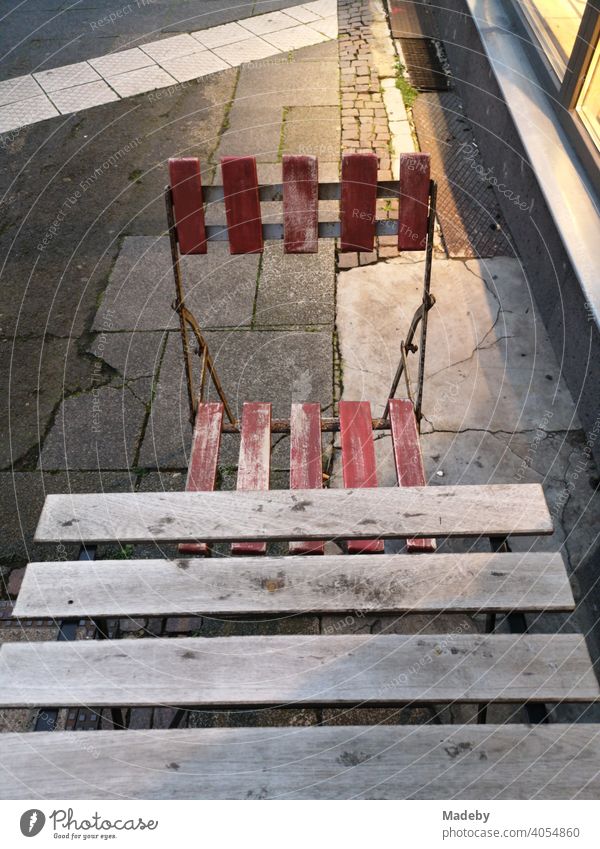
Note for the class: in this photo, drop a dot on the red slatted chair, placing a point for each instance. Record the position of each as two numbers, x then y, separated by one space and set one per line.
301 230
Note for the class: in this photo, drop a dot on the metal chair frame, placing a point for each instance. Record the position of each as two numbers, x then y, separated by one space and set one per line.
188 324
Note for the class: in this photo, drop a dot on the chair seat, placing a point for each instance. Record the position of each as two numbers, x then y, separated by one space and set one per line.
352 762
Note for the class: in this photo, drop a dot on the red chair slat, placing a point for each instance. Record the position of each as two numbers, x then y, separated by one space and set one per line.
186 191
408 458
254 462
300 204
306 462
204 459
358 459
242 204
414 201
358 201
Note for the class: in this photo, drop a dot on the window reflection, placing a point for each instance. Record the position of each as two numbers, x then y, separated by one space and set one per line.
556 23
588 105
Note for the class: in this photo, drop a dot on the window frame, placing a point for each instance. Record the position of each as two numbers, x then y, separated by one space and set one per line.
565 94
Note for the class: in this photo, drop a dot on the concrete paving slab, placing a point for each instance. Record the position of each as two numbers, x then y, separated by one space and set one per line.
249 50
66 76
295 37
253 128
304 81
83 96
132 355
121 62
34 374
260 141
262 24
170 48
327 26
313 131
220 288
140 81
96 430
476 376
221 35
302 14
296 289
185 68
275 366
19 88
135 357
30 111
323 8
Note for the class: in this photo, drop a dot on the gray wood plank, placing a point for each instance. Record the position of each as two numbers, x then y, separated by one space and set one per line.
335 670
296 514
332 584
381 762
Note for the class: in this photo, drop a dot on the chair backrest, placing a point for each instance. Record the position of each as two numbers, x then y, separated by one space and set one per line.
300 192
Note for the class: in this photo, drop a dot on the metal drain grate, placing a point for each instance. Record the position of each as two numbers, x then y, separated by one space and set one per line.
423 65
409 19
471 221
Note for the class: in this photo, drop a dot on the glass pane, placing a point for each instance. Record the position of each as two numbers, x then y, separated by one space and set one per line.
588 105
556 23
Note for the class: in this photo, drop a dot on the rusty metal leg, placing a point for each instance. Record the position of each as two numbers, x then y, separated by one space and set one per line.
420 317
426 300
179 304
177 718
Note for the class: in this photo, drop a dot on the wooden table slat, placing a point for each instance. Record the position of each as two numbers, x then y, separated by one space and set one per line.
381 762
391 583
386 512
294 670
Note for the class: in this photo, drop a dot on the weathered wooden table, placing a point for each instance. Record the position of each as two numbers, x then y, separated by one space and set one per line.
429 761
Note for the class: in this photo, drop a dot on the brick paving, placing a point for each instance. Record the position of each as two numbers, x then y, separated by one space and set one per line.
362 41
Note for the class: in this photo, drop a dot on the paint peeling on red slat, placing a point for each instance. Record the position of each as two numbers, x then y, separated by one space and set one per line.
306 461
414 201
408 457
186 192
358 459
254 462
300 204
358 201
242 204
204 460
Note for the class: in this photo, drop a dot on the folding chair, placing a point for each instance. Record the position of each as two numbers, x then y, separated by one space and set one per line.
356 229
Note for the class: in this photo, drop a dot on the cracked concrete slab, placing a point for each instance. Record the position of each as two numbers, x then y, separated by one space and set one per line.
275 366
99 429
490 364
219 287
134 356
34 374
